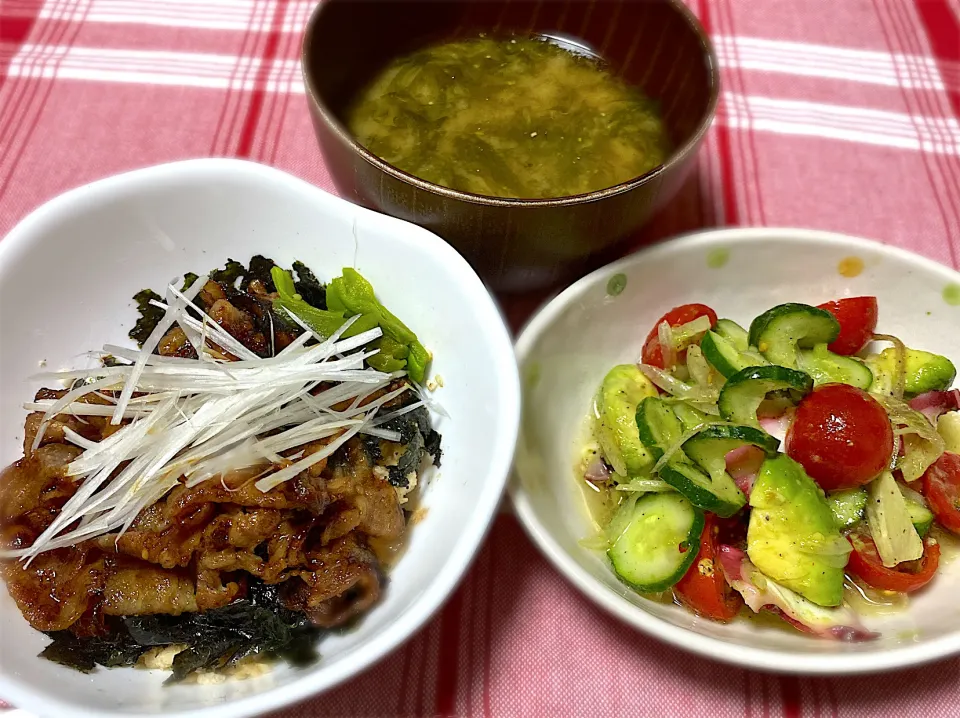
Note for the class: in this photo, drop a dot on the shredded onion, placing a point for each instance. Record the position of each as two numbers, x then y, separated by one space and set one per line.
922 444
668 349
914 496
900 354
679 389
675 447
690 333
597 542
700 370
645 486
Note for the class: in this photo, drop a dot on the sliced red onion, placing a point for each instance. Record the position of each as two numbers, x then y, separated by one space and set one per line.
934 403
777 426
598 472
743 464
761 593
850 634
731 561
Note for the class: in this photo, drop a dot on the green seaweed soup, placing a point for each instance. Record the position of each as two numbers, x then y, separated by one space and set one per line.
517 117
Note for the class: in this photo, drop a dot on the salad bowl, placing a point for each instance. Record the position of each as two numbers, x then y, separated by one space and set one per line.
566 350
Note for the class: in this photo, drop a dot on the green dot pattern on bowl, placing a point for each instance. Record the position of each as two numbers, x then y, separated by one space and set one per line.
717 258
532 376
951 294
616 284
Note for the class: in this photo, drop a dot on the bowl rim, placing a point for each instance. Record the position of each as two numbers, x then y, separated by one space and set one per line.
771 660
676 158
473 533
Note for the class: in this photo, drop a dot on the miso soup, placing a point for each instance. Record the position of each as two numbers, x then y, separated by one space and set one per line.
517 117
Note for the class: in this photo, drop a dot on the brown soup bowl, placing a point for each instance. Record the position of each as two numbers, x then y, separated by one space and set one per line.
514 244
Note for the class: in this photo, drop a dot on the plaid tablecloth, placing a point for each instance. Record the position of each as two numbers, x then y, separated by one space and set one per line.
836 114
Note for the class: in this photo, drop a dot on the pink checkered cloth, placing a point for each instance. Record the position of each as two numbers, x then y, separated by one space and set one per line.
841 115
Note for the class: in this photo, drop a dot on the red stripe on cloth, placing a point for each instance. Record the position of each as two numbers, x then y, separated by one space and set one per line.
255 109
944 166
817 698
448 659
428 639
748 149
14 31
13 105
405 677
493 550
792 697
276 116
220 143
930 104
942 27
33 88
832 695
731 215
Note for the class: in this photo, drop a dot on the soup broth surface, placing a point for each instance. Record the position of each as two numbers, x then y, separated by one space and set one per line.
517 117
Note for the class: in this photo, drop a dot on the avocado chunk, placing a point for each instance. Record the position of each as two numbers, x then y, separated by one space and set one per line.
622 390
928 372
948 426
792 536
924 371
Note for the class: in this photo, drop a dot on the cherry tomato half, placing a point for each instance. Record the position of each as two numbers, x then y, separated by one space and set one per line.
858 322
941 486
652 353
841 436
703 589
865 563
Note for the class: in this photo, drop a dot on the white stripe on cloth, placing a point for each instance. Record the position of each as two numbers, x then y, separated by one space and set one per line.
824 61
153 67
208 15
794 58
939 135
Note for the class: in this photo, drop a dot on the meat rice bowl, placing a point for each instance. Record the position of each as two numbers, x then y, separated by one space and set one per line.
231 490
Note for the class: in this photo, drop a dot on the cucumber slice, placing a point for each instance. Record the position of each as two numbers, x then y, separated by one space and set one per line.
718 495
658 543
920 516
779 332
741 395
690 417
709 448
658 426
724 356
733 333
828 368
847 507
623 388
708 485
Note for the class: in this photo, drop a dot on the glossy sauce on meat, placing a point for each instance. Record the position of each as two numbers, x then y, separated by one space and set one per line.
198 549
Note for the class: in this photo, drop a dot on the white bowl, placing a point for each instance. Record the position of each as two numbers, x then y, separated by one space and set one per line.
67 275
575 339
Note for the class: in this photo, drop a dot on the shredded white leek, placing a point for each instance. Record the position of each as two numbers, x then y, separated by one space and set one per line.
194 420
